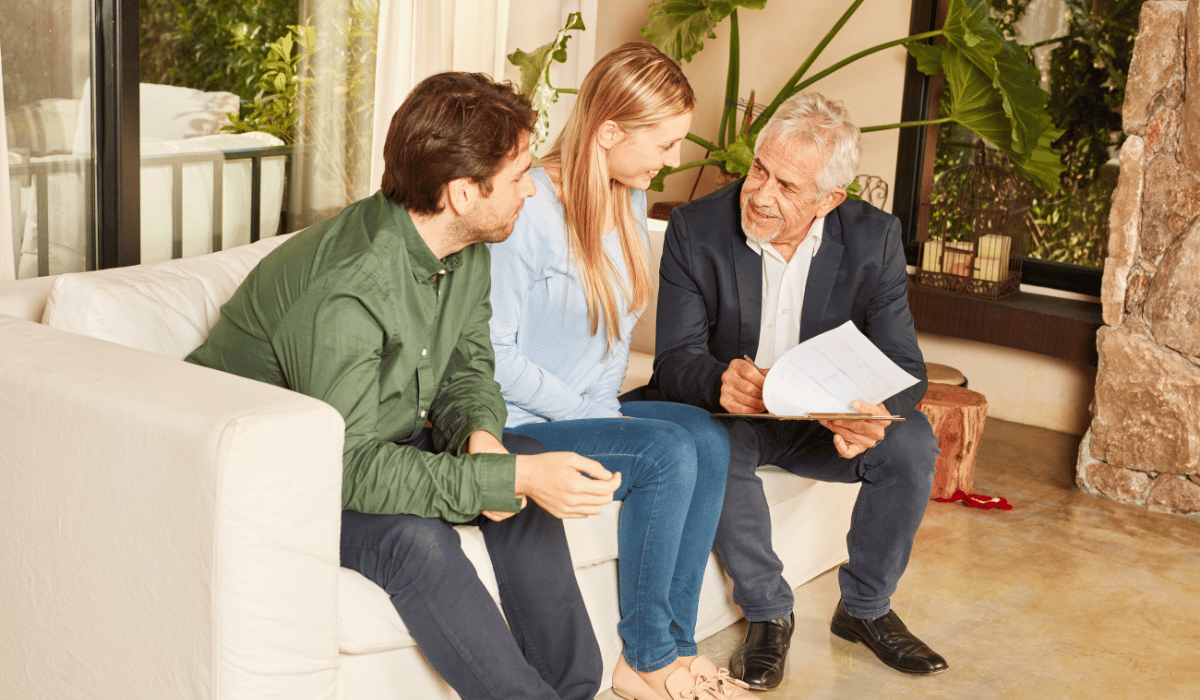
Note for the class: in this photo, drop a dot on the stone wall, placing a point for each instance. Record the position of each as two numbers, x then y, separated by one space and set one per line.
1143 446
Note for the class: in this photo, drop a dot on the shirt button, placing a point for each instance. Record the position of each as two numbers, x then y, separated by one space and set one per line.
422 414
785 312
424 352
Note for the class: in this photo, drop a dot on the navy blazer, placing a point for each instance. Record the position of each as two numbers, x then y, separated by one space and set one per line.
710 295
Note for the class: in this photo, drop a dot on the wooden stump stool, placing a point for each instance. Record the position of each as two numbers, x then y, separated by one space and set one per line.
957 416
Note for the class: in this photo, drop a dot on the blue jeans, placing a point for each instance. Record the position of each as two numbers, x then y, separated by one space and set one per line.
551 651
896 476
673 459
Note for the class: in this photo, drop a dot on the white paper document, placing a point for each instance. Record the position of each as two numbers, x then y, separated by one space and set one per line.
824 374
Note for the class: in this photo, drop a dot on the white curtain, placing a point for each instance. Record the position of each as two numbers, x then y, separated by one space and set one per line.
418 38
7 241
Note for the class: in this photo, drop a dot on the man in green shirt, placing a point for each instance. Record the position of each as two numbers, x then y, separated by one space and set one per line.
382 311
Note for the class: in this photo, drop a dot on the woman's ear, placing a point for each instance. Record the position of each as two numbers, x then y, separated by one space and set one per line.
609 135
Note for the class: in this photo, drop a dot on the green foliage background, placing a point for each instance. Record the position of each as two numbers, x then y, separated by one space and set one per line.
211 44
1087 72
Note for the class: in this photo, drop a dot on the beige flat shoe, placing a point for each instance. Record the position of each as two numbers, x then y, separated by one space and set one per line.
681 685
719 683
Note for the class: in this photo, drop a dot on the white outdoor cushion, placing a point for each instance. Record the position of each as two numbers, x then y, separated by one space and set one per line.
45 127
165 308
165 113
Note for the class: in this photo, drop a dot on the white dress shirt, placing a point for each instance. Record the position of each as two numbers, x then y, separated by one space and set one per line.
783 284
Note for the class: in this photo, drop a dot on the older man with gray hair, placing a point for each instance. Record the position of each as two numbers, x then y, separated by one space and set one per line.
750 271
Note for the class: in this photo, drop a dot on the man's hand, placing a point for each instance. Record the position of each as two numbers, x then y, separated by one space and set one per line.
853 437
741 388
560 483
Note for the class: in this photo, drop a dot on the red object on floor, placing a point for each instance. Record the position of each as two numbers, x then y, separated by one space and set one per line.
974 500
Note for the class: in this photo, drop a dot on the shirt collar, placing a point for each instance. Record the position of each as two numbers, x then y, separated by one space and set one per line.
425 265
815 233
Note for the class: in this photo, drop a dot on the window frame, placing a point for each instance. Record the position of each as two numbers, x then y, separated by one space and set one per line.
116 132
920 97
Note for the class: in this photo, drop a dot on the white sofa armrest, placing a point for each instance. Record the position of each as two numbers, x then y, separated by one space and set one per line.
166 530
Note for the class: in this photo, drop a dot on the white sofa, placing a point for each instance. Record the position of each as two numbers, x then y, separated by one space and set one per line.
171 531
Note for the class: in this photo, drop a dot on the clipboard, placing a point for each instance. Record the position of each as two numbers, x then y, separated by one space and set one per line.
811 416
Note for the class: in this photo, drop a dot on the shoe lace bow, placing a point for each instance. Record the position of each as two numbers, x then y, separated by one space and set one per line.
711 686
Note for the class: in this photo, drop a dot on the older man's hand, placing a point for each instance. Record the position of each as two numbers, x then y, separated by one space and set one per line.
741 388
853 437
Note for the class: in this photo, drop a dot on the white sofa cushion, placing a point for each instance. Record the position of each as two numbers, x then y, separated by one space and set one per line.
166 308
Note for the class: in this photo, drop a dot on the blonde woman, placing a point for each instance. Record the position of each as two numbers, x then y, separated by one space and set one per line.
567 288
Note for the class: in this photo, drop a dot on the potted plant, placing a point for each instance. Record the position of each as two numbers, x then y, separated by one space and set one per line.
991 87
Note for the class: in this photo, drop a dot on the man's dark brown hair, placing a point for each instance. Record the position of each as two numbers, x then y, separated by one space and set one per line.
452 125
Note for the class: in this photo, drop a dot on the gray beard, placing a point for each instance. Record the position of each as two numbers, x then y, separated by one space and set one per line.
746 230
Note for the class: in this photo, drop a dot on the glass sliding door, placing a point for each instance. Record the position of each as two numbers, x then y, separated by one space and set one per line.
45 65
214 123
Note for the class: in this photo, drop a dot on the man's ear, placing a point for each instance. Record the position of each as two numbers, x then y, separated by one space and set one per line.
609 135
831 201
460 195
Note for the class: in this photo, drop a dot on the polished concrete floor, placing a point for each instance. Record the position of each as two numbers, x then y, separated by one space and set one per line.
1064 596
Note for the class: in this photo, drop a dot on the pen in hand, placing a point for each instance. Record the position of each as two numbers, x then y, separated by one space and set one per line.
756 367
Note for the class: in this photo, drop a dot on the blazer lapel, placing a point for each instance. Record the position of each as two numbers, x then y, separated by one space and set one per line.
822 275
747 269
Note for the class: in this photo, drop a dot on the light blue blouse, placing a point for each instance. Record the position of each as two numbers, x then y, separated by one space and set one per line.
548 363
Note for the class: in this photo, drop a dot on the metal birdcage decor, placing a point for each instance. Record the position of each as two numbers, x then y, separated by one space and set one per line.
977 237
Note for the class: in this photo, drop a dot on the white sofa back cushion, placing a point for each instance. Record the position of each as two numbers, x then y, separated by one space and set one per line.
166 308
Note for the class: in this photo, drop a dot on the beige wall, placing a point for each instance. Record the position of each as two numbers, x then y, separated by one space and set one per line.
774 41
1022 387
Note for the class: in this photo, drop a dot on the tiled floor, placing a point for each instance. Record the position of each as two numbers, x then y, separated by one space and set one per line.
1065 596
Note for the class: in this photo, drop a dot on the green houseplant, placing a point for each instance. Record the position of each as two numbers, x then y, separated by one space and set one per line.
992 88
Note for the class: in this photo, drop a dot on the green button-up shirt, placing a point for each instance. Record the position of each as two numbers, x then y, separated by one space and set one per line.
358 312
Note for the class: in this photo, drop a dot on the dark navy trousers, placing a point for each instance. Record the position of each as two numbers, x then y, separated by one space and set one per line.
550 653
896 476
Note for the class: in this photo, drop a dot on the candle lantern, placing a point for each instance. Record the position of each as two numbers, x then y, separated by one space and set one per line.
976 243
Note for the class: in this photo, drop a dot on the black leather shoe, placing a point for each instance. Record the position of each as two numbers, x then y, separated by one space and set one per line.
759 660
890 640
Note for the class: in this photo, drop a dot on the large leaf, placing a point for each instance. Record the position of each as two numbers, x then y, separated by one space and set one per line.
974 102
535 65
977 105
929 58
739 155
535 74
678 27
970 29
1044 164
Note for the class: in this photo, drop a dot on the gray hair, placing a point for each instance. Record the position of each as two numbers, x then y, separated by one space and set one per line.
811 118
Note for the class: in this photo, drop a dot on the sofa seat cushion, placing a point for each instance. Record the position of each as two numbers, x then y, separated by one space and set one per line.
368 623
166 308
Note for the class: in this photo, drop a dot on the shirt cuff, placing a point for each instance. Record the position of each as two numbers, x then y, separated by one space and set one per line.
498 482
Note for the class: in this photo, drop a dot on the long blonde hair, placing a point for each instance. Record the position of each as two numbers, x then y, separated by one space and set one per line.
637 86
